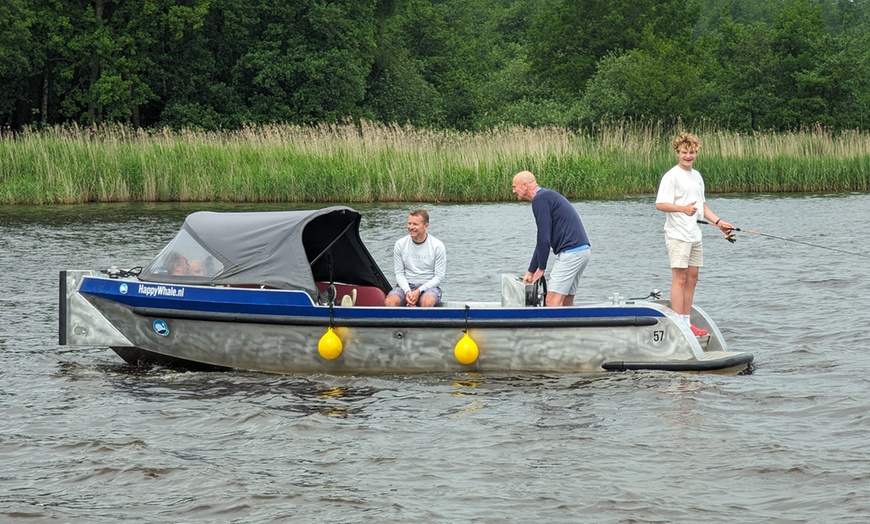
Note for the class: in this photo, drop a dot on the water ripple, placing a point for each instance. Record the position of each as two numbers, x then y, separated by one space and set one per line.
87 438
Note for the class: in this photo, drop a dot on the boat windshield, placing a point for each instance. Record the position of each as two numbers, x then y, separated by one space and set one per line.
184 256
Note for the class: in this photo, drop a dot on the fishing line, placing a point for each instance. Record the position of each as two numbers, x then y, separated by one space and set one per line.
785 239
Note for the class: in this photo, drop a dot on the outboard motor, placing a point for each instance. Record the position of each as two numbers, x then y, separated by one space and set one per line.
516 293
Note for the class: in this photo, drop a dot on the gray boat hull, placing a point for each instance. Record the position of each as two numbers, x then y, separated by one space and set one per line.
174 330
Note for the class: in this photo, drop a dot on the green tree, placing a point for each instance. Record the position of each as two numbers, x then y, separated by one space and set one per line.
464 64
199 88
17 49
397 91
511 94
449 40
568 39
848 67
660 80
715 13
473 54
798 34
34 48
309 62
741 66
93 61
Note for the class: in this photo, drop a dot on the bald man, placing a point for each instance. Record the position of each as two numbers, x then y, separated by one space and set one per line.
559 229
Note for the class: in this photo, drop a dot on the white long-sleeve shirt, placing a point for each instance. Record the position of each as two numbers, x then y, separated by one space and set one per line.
424 264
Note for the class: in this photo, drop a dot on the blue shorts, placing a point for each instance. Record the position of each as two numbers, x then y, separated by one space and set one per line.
434 292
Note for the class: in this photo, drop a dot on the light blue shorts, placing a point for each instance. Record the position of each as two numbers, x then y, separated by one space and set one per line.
565 276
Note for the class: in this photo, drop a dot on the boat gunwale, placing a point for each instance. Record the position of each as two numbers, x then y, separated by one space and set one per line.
225 303
403 321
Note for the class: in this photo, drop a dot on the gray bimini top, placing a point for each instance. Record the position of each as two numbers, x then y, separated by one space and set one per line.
276 249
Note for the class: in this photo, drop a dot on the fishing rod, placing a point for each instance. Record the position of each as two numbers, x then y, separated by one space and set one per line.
730 238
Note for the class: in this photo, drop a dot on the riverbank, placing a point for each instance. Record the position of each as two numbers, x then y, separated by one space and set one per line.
369 162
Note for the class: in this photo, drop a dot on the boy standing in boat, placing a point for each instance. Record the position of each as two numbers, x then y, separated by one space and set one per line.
559 228
681 197
420 263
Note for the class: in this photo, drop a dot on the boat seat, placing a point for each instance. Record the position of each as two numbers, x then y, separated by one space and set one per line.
365 295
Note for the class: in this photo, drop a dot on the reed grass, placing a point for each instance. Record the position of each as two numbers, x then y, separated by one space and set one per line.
370 162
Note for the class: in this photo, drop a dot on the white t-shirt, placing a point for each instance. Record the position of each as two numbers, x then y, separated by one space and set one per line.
682 187
424 264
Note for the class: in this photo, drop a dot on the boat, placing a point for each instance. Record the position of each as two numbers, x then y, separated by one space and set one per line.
299 292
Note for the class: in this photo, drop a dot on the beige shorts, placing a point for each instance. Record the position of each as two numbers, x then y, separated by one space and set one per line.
683 254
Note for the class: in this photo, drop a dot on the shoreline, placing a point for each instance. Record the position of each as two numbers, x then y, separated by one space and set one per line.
375 163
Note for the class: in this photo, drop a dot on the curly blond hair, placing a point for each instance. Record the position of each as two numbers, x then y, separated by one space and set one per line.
687 141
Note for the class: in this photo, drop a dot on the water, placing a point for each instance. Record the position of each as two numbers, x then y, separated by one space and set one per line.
85 438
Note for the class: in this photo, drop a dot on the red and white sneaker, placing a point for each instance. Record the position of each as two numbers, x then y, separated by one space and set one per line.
698 332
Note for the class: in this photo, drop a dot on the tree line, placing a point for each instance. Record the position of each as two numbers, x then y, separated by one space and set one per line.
741 65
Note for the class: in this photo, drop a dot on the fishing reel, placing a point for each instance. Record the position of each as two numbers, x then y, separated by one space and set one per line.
729 236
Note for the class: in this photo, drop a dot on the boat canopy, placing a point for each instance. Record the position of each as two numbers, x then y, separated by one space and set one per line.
277 249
